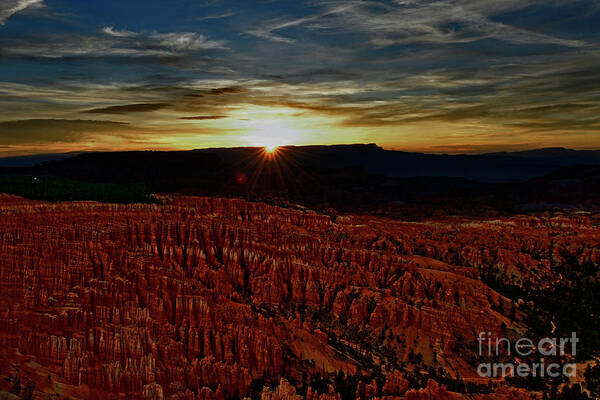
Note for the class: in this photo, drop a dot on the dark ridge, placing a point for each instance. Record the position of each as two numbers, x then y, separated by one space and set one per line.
349 178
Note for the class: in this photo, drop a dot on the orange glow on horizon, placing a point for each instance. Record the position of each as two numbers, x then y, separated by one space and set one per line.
271 127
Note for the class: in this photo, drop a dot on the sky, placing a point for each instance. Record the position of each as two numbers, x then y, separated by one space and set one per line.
441 76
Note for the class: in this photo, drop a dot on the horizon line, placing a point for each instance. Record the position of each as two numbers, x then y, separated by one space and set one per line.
400 150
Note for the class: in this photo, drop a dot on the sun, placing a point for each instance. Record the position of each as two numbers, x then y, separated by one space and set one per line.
271 141
271 148
272 131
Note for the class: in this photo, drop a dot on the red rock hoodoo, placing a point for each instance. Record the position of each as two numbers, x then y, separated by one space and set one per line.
204 298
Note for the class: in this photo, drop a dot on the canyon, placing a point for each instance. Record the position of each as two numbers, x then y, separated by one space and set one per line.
215 298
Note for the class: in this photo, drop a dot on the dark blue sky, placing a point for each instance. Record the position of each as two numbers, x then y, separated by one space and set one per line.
431 75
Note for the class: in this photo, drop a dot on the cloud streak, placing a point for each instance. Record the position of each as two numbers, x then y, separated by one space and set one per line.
204 117
112 43
10 7
128 108
417 22
269 31
124 33
217 16
52 130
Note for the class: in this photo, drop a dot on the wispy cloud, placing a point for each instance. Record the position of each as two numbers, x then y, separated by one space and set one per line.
112 42
418 21
269 30
185 41
11 7
215 16
109 30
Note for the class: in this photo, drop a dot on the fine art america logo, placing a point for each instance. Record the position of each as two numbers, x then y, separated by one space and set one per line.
525 347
